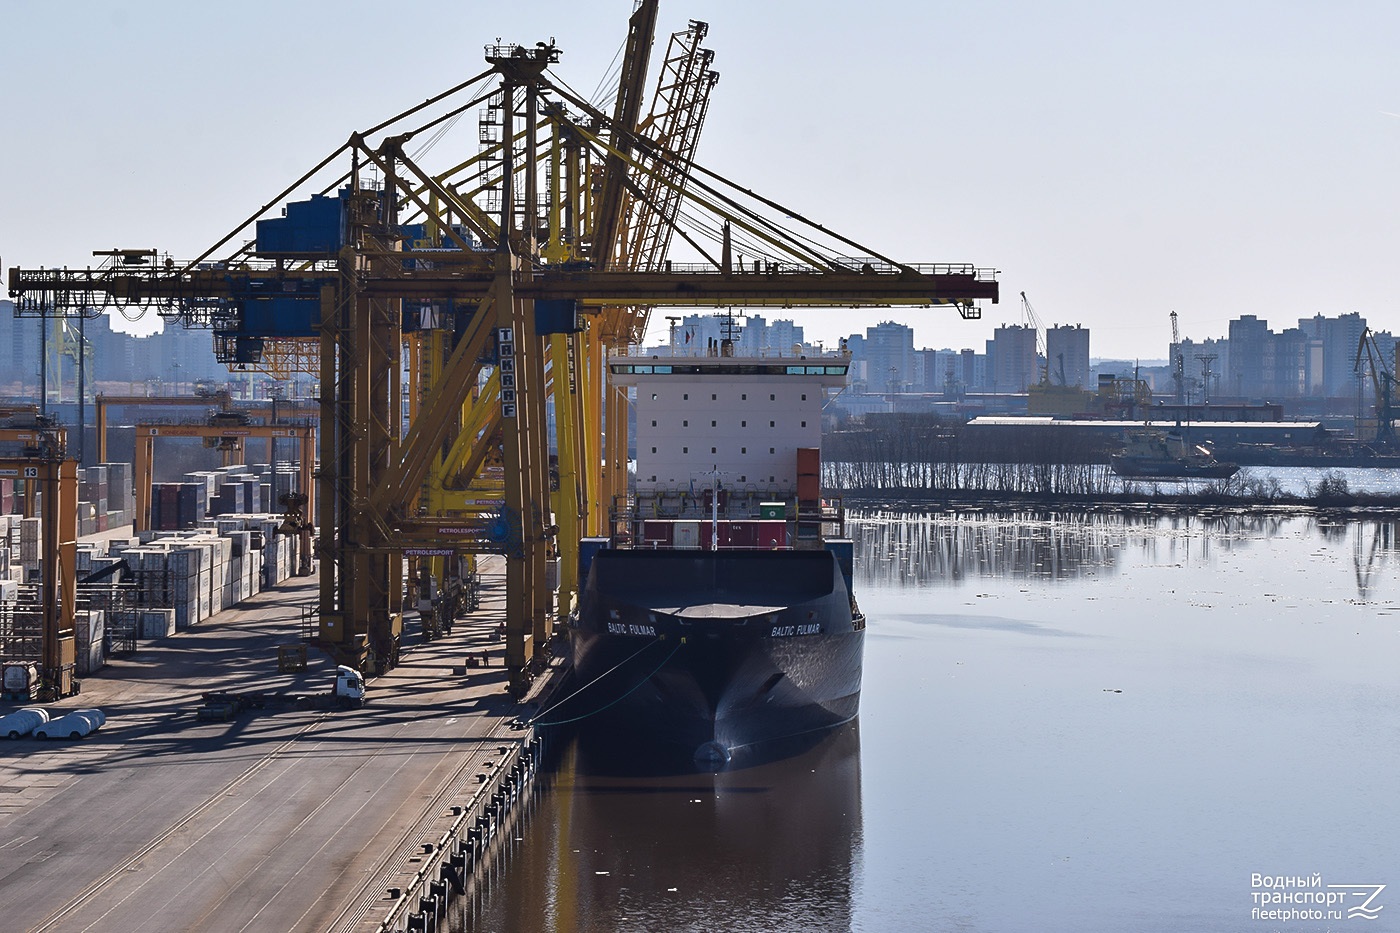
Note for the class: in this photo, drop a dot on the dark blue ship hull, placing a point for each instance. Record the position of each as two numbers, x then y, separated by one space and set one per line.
714 651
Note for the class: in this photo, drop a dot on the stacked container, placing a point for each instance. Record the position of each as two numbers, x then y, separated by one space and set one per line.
30 537
91 633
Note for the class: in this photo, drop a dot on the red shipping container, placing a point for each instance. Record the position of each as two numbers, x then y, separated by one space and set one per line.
657 533
739 534
809 461
809 488
770 534
724 529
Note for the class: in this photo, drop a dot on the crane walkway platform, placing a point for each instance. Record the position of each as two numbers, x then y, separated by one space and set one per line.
296 820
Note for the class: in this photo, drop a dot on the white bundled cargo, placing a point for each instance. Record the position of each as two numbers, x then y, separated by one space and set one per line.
75 725
22 722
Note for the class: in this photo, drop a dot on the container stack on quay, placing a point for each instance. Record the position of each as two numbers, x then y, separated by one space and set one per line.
231 490
90 634
183 577
225 550
11 554
104 498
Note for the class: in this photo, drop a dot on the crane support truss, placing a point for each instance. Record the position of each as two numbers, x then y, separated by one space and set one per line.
523 267
221 398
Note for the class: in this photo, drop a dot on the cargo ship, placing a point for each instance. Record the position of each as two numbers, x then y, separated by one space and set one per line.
1167 455
719 614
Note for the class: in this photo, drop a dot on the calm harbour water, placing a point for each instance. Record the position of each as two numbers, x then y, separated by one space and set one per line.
1071 722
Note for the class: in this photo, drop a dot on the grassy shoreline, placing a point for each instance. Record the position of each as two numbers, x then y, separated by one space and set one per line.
1342 503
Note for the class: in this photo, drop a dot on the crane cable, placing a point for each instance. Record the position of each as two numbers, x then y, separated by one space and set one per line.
535 721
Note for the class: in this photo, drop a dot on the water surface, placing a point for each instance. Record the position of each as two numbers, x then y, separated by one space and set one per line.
1069 722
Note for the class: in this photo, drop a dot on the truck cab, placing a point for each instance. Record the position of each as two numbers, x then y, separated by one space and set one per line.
349 686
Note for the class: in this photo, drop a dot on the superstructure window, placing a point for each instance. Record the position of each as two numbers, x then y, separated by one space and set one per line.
772 398
685 450
743 424
772 424
714 398
714 424
804 424
685 397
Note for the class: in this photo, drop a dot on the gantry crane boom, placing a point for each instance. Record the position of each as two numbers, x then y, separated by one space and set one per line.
1042 353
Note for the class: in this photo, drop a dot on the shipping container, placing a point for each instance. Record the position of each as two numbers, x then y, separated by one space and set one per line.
686 535
657 533
20 680
157 623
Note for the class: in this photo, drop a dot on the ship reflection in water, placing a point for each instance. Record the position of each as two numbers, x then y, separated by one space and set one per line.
770 845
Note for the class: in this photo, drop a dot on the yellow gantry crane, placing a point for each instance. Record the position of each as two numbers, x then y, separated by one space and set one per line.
44 468
498 287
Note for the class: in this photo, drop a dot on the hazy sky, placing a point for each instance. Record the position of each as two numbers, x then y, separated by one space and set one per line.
1115 160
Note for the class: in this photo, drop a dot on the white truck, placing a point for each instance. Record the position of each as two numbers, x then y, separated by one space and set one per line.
347 693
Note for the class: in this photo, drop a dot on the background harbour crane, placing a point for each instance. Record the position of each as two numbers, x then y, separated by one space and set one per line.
1178 364
1369 359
